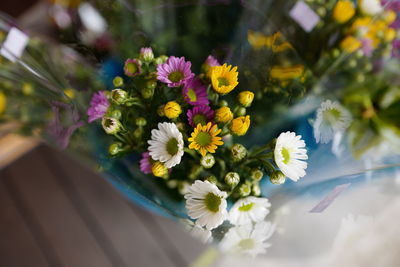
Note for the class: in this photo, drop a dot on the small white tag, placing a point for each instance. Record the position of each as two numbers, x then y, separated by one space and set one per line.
14 45
304 16
92 19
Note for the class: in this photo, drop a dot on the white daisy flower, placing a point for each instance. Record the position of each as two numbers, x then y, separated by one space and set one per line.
370 7
331 118
290 154
249 209
248 239
206 203
166 144
203 234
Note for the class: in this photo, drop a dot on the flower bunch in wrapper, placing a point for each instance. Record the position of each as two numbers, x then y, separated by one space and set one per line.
183 125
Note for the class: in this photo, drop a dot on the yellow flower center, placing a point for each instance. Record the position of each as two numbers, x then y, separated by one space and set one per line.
222 82
247 207
203 139
192 95
172 146
332 115
212 202
246 244
286 155
175 76
131 67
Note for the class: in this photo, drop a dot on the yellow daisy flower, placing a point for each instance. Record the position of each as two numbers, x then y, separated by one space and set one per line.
159 170
343 11
240 125
223 115
205 139
224 78
172 110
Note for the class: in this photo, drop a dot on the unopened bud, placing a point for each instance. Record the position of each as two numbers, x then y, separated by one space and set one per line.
232 179
239 152
241 111
207 161
118 81
257 175
119 96
277 177
256 189
111 125
160 111
212 179
146 54
244 190
115 148
147 92
141 122
116 113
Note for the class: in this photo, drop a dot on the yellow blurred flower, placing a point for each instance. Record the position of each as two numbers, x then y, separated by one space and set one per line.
360 23
390 16
205 138
172 110
223 115
159 170
350 44
286 73
275 41
224 78
343 11
3 102
70 93
240 125
27 88
246 98
389 34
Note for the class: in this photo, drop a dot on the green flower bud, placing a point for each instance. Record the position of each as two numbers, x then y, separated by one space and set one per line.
352 63
335 53
147 92
119 96
111 125
207 161
138 132
115 148
241 111
161 59
141 122
244 190
257 175
152 84
160 111
223 103
146 54
277 177
27 89
195 171
256 190
118 81
172 184
116 114
239 152
212 179
232 179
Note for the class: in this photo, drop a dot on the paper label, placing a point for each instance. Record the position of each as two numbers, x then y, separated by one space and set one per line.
304 16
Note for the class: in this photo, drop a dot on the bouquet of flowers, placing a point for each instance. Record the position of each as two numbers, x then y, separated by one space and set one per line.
206 131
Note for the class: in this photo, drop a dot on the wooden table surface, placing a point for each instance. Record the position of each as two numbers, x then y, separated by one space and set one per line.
54 212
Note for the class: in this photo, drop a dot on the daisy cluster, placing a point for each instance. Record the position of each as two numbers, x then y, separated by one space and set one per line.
184 125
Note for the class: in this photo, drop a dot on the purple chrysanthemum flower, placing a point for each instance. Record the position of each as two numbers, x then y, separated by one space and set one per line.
195 93
132 67
145 163
200 114
98 106
175 72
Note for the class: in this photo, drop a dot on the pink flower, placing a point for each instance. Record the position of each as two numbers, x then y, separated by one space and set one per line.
132 67
175 72
200 114
98 106
145 163
195 93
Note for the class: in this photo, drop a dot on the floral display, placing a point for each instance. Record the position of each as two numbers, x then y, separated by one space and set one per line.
221 132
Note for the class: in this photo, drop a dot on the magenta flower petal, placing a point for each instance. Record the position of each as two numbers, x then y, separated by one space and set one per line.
132 67
211 61
175 72
195 93
200 114
145 163
98 106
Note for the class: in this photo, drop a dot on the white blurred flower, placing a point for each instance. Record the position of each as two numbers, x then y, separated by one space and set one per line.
370 7
166 144
248 239
204 235
290 154
206 203
331 118
248 210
